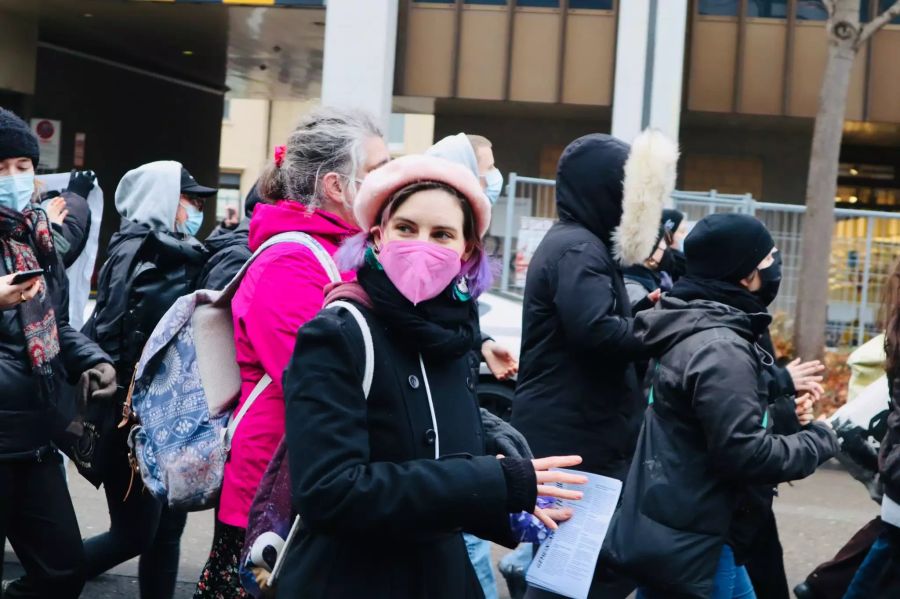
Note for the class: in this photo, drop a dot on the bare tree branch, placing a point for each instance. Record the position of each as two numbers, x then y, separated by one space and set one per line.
878 22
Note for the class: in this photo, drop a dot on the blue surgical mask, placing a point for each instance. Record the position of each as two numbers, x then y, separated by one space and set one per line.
494 180
16 191
194 220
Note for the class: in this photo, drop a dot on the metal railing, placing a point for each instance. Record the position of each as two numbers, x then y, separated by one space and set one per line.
865 246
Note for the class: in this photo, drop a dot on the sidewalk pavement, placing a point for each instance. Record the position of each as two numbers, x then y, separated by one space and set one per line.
815 517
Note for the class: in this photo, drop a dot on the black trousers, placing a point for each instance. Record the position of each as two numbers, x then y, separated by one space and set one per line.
766 561
37 517
139 525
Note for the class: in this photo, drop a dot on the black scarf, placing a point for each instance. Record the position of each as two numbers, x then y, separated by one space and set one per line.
443 327
690 288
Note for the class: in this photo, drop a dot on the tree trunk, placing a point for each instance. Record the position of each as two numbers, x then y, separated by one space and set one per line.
821 187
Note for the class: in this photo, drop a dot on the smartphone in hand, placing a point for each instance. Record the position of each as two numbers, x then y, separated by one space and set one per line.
26 275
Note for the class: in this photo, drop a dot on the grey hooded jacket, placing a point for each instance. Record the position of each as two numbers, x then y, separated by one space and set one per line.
148 267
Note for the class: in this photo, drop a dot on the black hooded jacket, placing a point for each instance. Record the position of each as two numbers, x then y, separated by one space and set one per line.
705 442
577 390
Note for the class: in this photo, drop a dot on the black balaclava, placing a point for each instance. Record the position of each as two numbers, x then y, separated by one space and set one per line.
722 250
770 278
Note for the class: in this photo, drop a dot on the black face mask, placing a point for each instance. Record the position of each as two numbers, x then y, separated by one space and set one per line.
674 263
770 278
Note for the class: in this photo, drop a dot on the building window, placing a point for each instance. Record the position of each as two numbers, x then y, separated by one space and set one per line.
591 4
539 3
226 109
815 10
811 10
767 9
719 8
883 5
228 200
434 1
489 2
397 133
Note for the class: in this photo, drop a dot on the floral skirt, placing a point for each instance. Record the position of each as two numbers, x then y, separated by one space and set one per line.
220 578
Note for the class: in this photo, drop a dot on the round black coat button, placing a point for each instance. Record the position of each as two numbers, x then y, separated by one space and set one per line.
430 436
413 381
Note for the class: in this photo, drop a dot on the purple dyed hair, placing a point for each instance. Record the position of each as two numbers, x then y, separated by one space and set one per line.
478 269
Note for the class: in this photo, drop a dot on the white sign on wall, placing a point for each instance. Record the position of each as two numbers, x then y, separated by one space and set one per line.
49 135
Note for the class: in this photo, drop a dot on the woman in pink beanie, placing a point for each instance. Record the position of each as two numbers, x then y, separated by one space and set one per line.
386 481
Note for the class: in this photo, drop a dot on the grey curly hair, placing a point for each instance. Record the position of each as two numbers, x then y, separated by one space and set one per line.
327 140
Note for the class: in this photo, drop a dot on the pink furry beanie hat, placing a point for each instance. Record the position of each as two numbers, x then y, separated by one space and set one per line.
381 184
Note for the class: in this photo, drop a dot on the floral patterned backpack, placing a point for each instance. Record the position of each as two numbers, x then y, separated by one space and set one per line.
185 388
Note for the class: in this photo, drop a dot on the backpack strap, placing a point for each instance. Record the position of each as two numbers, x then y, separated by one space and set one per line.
369 370
321 254
330 268
368 373
235 420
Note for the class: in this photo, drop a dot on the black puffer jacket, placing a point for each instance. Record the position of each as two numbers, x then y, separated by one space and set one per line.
704 444
577 389
28 420
384 517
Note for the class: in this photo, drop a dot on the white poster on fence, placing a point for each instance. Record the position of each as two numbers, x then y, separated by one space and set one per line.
82 270
531 233
49 135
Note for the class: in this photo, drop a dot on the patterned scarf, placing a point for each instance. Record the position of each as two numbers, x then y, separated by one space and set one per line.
26 240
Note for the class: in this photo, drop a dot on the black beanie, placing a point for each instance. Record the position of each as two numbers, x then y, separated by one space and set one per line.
726 247
16 138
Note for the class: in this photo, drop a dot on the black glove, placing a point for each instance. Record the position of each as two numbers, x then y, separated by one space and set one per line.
81 183
99 382
502 438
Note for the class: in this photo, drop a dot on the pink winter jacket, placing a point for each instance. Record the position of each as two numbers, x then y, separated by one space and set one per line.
283 289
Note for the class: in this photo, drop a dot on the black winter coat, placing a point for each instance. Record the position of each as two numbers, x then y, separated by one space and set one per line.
889 454
577 389
229 250
703 445
383 517
145 272
29 421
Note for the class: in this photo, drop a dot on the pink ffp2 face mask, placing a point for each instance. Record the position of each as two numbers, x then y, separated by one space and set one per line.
418 269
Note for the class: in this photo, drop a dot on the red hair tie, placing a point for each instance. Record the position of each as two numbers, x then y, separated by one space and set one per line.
280 151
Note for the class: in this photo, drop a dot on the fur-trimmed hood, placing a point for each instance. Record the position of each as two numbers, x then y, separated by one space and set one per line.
618 192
